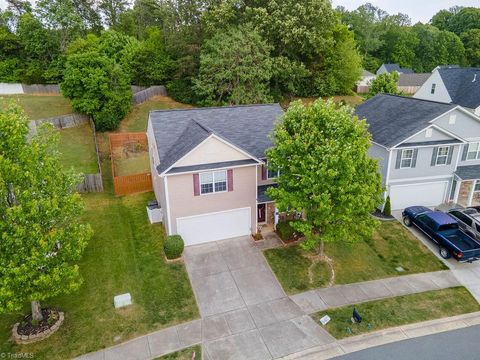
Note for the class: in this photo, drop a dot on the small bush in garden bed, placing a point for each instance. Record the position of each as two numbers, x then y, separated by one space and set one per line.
173 247
285 231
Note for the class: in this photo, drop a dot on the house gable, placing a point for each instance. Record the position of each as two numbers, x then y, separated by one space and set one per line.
440 94
212 150
429 134
461 123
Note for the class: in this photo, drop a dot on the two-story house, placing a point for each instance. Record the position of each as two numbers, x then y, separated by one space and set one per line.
209 170
452 84
429 152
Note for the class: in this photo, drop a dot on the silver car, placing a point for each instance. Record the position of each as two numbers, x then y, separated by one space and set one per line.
468 220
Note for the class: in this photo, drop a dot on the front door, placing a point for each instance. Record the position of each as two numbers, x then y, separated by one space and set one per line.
261 209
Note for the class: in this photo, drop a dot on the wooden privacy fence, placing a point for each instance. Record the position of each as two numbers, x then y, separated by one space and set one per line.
129 184
148 93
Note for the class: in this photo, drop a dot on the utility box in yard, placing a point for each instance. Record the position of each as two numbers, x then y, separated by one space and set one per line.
155 212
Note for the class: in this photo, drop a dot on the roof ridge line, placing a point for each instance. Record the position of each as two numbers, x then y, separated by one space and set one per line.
214 107
413 98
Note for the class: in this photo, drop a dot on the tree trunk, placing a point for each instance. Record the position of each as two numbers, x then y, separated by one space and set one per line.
321 249
36 311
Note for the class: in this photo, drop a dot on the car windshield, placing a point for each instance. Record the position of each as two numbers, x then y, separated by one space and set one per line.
451 226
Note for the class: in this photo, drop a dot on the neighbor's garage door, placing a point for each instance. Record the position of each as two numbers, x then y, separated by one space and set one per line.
428 194
214 226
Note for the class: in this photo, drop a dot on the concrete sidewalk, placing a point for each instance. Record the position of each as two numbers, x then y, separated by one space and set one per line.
382 337
340 295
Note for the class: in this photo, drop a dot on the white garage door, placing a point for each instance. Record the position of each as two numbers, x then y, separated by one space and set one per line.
214 226
428 194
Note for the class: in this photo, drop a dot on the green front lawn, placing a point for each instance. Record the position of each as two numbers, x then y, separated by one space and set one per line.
185 354
77 147
125 255
40 106
392 246
138 117
402 310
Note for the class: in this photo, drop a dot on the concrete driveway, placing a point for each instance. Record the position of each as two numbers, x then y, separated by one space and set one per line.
467 274
245 312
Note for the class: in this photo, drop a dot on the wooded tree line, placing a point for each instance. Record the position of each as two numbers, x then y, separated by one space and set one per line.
452 37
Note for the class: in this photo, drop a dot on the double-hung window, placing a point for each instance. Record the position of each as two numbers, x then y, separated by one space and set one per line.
442 155
272 174
432 90
473 151
213 182
407 158
477 186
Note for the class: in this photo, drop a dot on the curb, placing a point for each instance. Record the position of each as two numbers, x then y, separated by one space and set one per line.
387 336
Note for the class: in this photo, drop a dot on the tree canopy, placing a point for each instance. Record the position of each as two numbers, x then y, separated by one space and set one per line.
42 237
335 195
385 83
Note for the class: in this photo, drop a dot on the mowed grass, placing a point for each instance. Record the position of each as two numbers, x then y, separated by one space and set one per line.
124 255
138 163
391 246
185 354
138 117
77 147
402 310
40 106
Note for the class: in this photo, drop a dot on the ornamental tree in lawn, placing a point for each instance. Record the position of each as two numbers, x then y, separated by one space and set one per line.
384 83
41 236
325 173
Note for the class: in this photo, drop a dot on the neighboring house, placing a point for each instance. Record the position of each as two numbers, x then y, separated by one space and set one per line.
363 85
388 68
429 152
410 83
209 170
454 85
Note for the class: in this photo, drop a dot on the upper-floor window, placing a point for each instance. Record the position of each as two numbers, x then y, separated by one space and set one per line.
271 173
213 182
432 91
406 159
473 151
442 155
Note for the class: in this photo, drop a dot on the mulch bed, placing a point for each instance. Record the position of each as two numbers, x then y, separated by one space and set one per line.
381 216
50 317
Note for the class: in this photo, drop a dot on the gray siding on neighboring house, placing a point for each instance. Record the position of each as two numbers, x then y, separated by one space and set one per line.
441 93
381 154
437 135
423 166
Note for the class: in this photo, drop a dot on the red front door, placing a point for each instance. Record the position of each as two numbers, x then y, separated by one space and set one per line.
261 213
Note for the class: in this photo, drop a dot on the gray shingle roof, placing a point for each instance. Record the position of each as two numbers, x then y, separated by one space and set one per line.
211 166
180 130
397 68
413 79
262 196
461 87
393 118
469 172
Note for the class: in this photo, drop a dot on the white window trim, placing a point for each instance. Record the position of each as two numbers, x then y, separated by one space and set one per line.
268 175
445 156
474 185
477 157
405 158
213 182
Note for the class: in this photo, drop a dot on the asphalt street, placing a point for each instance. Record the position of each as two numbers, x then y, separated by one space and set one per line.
463 344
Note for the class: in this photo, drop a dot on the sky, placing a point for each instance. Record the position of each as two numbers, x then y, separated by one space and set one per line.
418 10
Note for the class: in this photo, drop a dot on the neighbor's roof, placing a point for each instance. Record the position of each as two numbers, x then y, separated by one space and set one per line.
366 73
397 68
463 85
179 131
413 79
393 119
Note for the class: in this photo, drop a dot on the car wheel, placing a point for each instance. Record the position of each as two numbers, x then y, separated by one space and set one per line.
407 221
444 253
